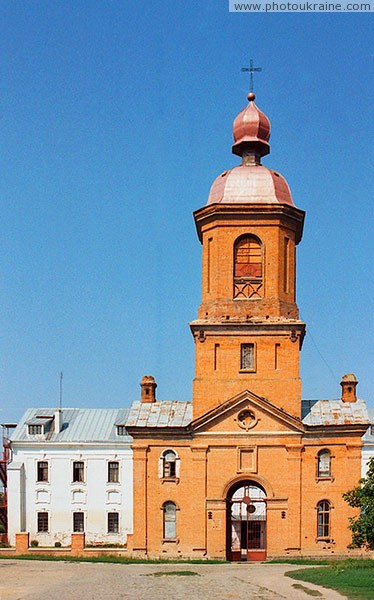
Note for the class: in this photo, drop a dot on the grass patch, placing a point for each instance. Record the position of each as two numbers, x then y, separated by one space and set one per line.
299 561
352 578
303 588
182 573
110 558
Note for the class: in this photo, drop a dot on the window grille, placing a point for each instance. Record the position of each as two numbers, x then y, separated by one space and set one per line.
42 522
113 522
78 522
248 268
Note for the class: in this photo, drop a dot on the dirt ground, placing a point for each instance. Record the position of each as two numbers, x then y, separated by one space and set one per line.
34 580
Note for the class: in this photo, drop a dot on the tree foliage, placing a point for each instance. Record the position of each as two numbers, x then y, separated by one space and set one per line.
362 497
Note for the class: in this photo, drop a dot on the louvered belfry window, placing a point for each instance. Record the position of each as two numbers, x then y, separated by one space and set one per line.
248 268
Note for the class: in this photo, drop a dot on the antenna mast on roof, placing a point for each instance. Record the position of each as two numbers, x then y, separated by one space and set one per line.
61 376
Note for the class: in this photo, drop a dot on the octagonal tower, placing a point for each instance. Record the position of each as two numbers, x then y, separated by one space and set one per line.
248 334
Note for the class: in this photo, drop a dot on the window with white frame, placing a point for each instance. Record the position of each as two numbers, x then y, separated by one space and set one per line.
169 464
113 471
78 522
42 471
42 522
113 522
78 471
35 429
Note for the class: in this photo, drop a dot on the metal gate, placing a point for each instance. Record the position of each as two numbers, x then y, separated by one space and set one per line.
247 523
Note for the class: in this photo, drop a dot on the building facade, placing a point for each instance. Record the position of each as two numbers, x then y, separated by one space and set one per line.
71 472
368 443
247 470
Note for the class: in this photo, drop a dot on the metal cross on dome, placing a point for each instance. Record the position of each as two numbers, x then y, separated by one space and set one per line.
251 69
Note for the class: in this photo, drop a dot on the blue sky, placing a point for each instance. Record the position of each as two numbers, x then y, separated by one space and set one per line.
116 117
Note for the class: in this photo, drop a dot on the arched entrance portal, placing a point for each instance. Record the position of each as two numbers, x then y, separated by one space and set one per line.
246 522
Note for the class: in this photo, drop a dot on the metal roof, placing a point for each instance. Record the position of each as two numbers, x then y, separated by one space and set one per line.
78 425
336 412
160 414
369 437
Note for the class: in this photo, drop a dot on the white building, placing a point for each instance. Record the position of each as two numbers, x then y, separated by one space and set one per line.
71 471
368 443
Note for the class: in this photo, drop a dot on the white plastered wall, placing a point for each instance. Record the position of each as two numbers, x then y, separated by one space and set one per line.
60 497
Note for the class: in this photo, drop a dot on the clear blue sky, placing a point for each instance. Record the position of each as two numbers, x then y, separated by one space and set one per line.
115 118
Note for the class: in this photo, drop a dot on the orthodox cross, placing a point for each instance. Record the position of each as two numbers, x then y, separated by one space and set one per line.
251 69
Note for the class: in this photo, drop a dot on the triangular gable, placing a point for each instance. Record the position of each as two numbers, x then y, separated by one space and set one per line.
207 420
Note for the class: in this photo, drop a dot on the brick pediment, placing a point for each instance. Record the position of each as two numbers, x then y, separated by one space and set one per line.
247 413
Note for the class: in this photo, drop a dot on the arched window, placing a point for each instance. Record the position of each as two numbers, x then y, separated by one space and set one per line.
248 268
323 519
169 513
324 463
169 464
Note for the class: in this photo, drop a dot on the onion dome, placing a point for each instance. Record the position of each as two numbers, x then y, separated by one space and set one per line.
250 184
251 130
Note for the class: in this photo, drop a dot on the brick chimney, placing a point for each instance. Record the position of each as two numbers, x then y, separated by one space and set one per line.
348 384
148 386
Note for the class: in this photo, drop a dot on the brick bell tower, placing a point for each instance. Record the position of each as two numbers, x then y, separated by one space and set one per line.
248 335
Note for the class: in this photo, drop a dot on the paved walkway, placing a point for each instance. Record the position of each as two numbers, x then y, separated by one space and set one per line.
34 580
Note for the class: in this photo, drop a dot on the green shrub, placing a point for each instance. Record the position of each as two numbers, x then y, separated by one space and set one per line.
58 544
34 543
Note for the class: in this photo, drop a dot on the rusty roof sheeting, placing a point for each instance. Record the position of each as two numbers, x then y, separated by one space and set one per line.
171 413
336 412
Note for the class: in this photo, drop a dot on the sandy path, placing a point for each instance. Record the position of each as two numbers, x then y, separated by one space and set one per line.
34 580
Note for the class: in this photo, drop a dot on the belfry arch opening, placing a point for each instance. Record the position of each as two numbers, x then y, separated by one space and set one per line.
248 268
246 522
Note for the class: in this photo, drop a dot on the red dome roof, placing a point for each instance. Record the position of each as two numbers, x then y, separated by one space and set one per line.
251 128
250 185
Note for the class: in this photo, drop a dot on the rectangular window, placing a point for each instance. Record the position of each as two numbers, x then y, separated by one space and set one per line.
42 470
121 430
78 471
35 429
113 472
247 357
42 522
78 522
113 522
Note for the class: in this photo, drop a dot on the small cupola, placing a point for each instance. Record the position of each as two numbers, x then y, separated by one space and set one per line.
251 132
148 386
349 383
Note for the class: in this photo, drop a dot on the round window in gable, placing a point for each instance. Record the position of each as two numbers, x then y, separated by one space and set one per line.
247 419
